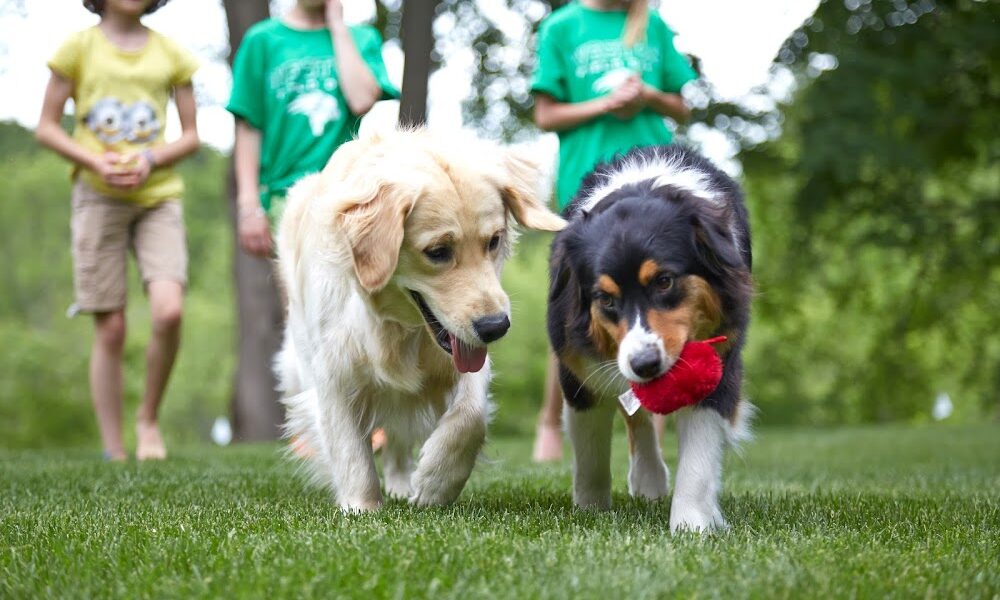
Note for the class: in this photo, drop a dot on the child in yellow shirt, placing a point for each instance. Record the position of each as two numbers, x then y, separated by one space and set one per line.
120 75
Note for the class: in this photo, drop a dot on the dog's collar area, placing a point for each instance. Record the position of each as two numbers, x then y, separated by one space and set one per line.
440 334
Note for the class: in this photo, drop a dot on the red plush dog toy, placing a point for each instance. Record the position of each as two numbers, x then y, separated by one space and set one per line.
693 377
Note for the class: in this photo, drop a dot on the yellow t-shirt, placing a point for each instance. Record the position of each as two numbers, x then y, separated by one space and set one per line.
121 102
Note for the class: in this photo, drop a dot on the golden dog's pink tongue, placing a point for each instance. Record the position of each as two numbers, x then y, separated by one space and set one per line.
468 359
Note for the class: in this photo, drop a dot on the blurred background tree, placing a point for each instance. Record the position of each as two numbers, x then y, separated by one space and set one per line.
254 405
871 166
875 192
878 215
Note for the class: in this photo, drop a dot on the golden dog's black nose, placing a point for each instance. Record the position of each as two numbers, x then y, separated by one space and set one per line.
491 328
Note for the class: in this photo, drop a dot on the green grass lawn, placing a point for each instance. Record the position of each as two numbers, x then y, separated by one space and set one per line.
861 512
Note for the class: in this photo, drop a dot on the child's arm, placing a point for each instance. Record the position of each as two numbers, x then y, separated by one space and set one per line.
168 154
360 88
188 142
553 115
252 226
665 103
50 134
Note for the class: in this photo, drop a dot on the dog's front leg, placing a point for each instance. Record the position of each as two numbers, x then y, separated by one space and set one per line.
448 455
701 436
590 434
397 466
346 446
648 476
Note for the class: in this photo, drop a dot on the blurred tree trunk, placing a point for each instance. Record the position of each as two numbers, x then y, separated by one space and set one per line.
256 412
418 43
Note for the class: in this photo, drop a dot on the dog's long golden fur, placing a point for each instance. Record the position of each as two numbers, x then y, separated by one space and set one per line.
391 260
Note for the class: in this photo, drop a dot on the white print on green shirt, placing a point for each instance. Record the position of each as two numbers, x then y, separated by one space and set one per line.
602 56
304 75
312 82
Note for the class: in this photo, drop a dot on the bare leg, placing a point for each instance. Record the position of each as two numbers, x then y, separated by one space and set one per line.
166 300
378 439
106 380
548 437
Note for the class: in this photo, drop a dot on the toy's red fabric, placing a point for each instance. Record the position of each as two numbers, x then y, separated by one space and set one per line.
693 377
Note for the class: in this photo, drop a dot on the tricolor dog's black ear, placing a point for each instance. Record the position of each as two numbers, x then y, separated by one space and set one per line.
559 272
714 243
564 294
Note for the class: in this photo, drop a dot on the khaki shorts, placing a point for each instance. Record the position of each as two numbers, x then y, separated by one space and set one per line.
105 229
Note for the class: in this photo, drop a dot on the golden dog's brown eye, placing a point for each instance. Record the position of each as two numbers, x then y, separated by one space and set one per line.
663 282
494 242
438 254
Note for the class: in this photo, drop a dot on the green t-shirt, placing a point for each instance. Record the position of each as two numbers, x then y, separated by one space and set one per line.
285 84
581 57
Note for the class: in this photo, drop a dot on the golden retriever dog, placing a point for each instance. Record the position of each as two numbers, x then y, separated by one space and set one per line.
391 260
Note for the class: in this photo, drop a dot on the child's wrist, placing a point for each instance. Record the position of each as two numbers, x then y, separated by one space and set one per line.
91 162
247 210
150 159
645 94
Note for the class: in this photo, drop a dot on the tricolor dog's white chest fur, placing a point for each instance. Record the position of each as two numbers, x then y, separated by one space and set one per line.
656 254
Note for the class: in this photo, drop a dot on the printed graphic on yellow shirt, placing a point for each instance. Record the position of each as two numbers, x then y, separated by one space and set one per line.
107 120
141 123
111 121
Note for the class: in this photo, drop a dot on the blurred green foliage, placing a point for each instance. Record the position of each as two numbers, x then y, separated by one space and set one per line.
877 216
876 219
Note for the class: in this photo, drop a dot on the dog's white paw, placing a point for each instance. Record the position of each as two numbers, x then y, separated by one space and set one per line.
592 499
649 480
397 484
359 505
434 491
700 517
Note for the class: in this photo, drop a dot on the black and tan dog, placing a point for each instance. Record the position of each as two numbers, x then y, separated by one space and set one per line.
656 253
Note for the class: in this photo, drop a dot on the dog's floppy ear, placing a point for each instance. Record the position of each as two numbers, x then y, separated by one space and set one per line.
559 271
564 292
715 245
520 193
373 220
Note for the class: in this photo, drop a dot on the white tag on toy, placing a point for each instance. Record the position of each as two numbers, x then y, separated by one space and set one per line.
629 402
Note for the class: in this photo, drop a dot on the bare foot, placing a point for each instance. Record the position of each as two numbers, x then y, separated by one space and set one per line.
303 450
378 439
548 444
300 447
115 456
150 444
